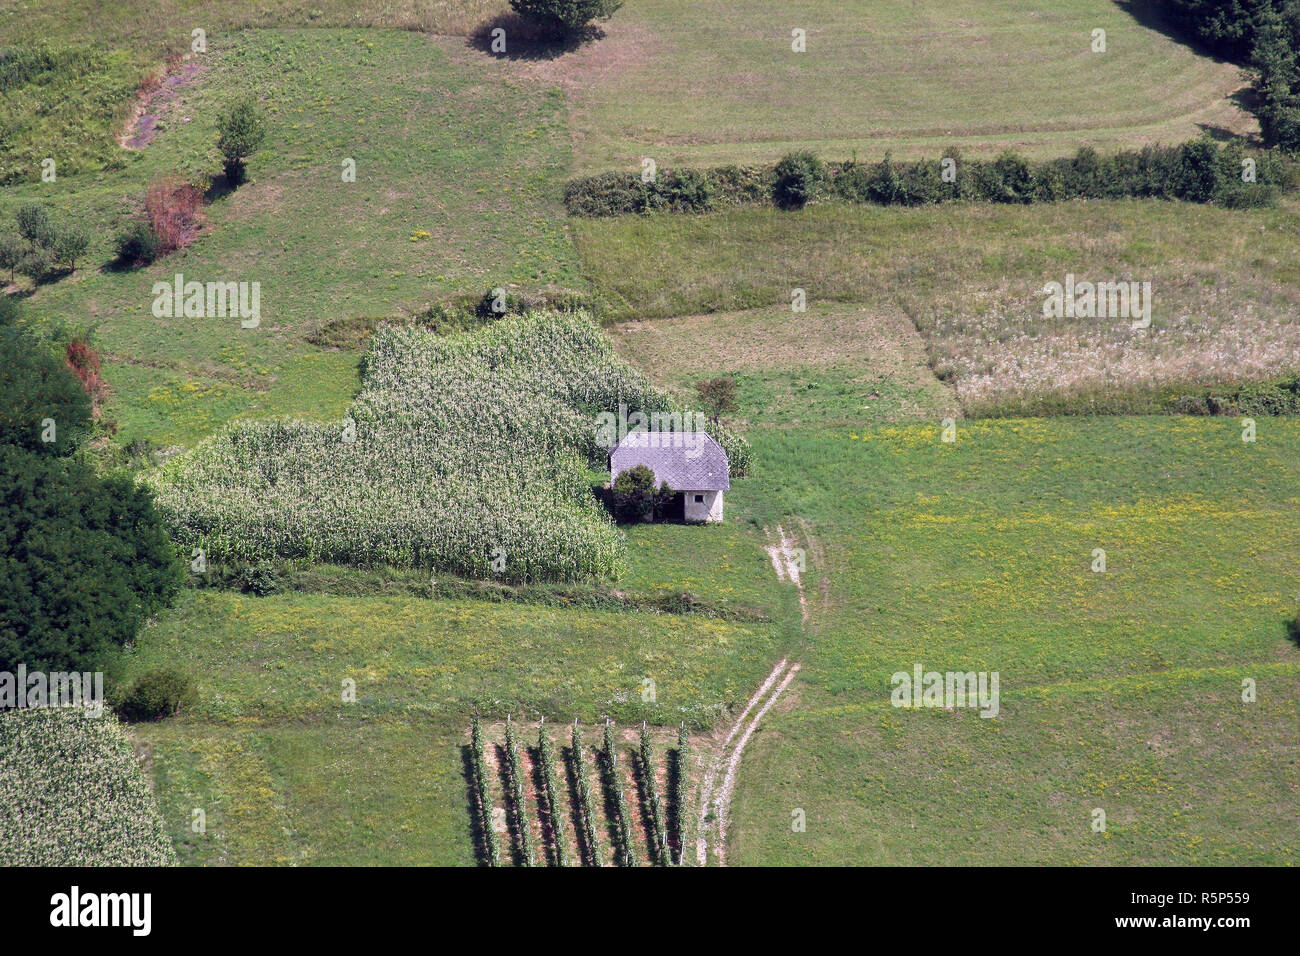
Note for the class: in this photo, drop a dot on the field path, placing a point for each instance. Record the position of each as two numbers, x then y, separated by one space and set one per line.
715 799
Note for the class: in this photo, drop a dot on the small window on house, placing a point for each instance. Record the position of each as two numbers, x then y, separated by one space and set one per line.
699 499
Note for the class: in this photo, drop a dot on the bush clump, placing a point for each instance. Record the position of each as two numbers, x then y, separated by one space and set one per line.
797 177
137 245
157 694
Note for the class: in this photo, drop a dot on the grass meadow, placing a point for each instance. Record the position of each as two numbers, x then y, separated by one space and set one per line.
289 773
1120 690
457 188
1225 288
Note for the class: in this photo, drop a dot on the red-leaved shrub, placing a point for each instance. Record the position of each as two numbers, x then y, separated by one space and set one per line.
84 362
175 212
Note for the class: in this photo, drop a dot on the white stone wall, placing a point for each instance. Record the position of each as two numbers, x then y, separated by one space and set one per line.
710 509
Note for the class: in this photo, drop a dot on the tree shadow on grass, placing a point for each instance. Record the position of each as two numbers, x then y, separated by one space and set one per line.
1152 15
519 39
1292 628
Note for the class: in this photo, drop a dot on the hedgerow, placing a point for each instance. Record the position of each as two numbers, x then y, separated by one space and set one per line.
72 794
1199 171
466 453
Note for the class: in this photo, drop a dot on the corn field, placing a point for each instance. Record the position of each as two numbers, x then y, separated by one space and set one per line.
466 453
72 794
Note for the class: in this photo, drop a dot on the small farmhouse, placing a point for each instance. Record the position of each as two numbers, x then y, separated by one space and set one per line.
692 464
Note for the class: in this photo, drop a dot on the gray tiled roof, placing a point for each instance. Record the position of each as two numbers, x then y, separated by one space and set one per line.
688 461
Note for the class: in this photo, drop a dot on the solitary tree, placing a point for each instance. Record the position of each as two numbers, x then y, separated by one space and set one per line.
718 395
69 246
240 131
565 17
11 253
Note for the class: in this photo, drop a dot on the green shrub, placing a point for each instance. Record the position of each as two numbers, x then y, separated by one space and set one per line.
11 253
741 185
157 694
260 578
1200 171
634 495
34 224
608 194
686 190
137 245
1198 175
1277 397
796 179
36 264
1008 179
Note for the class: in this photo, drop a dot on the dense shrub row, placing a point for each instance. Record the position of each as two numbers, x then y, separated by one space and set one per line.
1200 171
462 313
1281 397
1276 397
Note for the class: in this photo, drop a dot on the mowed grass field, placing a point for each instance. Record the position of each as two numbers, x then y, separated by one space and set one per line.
716 81
1120 691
